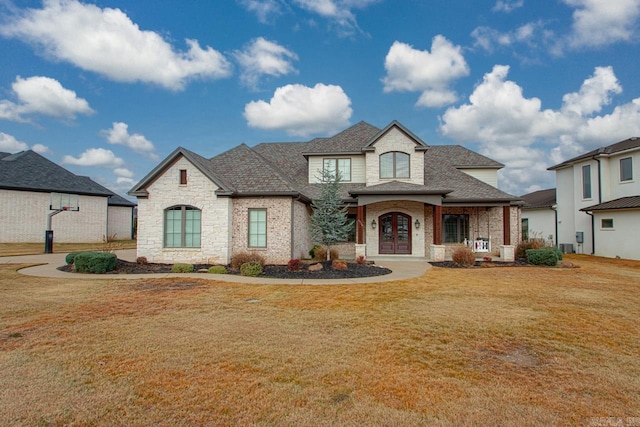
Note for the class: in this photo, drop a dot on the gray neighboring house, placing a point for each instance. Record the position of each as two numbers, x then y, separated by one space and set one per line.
408 199
27 180
599 200
539 215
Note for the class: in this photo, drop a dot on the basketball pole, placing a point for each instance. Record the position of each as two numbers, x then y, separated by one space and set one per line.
48 234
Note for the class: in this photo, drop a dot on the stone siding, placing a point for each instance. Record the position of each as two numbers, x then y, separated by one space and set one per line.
278 250
301 231
395 140
23 215
199 192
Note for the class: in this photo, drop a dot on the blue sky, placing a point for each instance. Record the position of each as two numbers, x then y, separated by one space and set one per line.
108 88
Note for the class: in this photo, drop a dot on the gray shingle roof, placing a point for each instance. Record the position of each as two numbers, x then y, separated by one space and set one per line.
631 202
627 144
540 199
30 171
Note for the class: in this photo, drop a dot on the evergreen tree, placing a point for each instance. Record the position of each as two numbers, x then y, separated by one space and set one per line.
329 221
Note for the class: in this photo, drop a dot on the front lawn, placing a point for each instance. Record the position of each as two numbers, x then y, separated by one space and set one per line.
504 346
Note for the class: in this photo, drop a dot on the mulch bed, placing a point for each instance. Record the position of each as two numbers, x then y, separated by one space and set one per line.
520 262
271 271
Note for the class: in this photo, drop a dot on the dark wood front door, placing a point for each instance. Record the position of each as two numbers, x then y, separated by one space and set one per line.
394 234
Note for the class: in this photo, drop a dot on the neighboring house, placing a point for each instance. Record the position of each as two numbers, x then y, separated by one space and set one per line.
27 181
407 199
539 215
599 200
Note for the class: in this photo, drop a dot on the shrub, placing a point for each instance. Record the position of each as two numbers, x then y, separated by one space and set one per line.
70 257
217 269
244 257
361 260
544 256
294 265
252 269
558 252
312 251
320 253
94 262
142 260
463 256
523 246
182 268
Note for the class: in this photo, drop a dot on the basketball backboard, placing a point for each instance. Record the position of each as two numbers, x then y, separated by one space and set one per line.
64 202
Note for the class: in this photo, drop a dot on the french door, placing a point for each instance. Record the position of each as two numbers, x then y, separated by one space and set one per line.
394 233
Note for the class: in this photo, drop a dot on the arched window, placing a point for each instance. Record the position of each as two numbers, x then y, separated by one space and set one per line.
182 227
394 165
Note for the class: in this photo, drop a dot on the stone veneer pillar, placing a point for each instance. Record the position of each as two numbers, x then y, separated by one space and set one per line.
437 252
507 253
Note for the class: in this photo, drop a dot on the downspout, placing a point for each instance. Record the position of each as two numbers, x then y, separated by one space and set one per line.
593 221
555 213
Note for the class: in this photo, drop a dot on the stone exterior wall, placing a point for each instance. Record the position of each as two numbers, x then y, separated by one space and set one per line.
199 192
395 140
23 215
120 222
414 209
279 211
301 231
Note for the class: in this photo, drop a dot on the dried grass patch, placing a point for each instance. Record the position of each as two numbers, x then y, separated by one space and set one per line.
523 346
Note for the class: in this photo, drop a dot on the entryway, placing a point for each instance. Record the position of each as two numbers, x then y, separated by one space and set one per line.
394 234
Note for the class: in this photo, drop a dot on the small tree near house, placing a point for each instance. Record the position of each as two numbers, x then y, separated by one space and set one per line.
329 221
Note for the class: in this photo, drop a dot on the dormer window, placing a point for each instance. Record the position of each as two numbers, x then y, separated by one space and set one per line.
394 165
342 166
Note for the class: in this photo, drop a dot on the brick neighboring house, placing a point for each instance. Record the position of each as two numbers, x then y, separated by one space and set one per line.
26 182
539 215
599 200
408 199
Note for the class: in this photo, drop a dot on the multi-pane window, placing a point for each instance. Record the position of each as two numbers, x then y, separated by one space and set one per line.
182 225
606 223
342 166
525 228
626 169
394 165
586 182
455 228
257 228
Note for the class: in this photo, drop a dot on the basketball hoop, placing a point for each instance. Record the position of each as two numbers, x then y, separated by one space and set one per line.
59 202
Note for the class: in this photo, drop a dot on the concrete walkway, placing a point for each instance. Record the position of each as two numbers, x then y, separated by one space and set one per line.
400 269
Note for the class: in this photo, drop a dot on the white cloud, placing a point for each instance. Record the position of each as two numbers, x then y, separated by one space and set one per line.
412 70
42 95
119 135
301 110
95 157
9 144
603 22
41 149
107 42
507 6
532 34
123 173
124 183
517 131
264 57
264 9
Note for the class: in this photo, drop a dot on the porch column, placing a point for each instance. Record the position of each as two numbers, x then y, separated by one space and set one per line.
506 225
360 225
437 225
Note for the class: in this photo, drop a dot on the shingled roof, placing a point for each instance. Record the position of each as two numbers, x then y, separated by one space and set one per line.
632 202
540 199
280 168
627 144
29 171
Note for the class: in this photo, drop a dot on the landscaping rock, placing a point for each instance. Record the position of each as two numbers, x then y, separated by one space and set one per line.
315 267
338 264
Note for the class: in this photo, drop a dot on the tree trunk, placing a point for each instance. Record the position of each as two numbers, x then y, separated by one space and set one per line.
328 253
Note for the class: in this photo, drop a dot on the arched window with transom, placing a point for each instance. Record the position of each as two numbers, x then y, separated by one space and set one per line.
182 227
394 164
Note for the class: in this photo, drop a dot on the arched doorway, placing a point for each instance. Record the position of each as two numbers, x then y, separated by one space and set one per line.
395 233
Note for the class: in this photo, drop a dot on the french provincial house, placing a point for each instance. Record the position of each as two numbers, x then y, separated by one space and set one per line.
539 216
27 181
598 197
408 199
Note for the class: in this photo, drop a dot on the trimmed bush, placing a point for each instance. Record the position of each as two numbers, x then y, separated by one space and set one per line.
217 269
523 246
94 262
320 253
544 256
361 260
294 265
312 251
558 252
182 268
244 257
70 257
463 256
142 260
251 269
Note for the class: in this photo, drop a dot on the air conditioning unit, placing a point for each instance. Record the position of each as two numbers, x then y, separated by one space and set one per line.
566 248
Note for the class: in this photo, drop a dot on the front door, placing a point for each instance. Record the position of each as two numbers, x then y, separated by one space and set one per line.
395 233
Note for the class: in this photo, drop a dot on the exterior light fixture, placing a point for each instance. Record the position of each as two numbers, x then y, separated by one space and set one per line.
417 224
373 224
